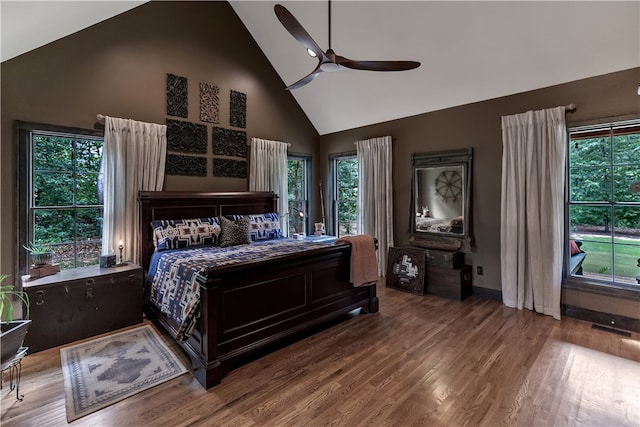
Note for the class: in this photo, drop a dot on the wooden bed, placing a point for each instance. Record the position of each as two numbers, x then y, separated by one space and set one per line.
243 311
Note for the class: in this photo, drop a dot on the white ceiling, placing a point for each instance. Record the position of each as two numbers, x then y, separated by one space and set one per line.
27 25
470 51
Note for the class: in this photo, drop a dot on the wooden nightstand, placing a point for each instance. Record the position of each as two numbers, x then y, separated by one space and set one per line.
82 302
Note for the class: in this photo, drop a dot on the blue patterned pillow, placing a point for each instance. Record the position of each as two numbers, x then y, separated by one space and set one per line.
185 233
265 226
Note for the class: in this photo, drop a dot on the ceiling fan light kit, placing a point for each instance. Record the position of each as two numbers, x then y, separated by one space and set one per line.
328 61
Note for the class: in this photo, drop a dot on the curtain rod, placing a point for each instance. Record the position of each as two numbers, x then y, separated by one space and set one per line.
288 143
570 108
101 119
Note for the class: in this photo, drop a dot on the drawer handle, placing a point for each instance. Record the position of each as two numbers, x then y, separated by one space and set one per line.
39 297
90 282
88 293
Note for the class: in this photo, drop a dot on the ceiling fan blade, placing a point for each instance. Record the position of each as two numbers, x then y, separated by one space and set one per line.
377 65
298 32
306 79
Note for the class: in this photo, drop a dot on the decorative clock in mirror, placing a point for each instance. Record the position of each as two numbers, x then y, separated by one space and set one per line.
440 202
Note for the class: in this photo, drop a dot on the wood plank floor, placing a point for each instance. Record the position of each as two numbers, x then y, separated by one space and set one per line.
419 361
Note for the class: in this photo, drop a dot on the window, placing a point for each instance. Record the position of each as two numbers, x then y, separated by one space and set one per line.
298 175
60 193
345 177
603 203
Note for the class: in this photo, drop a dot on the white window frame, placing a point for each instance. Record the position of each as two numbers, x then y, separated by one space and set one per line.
611 287
334 161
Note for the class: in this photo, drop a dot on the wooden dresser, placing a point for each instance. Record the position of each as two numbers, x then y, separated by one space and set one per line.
82 302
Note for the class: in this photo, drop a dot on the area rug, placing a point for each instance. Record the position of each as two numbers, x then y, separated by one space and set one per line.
107 370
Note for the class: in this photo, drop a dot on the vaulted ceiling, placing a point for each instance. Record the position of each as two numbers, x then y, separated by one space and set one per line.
470 51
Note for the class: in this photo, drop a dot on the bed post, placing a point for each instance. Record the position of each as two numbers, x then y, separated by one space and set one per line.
207 368
373 299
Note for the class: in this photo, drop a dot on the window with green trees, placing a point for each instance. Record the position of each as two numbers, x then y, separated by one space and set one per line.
298 180
603 203
345 170
61 192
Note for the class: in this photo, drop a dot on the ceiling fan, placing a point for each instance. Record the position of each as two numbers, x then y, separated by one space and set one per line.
328 61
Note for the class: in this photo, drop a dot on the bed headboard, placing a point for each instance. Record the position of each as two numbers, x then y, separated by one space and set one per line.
156 205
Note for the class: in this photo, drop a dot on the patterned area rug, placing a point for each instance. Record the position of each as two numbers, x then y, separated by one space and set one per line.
104 371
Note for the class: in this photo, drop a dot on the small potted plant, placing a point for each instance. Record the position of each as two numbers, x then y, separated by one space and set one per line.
12 331
39 254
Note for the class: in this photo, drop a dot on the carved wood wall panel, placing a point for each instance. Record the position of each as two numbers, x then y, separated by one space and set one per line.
229 142
186 165
186 137
238 113
177 99
229 168
209 103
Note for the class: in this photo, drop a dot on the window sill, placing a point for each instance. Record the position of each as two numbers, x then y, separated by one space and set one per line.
618 290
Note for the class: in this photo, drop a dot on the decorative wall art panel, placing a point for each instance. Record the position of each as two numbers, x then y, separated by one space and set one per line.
230 168
186 165
406 270
209 103
238 113
177 103
186 137
229 142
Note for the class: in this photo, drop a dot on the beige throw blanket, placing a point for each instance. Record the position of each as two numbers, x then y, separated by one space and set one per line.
364 265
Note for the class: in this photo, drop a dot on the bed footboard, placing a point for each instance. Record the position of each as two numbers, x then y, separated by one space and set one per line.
246 310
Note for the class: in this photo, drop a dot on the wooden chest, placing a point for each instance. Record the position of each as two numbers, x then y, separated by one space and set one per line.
79 303
449 283
444 259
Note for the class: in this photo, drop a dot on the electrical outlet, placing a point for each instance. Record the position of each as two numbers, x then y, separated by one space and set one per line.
479 270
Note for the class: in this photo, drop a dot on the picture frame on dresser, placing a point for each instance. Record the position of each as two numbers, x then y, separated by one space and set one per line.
406 270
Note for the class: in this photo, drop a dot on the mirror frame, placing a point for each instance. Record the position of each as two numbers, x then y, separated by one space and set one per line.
443 240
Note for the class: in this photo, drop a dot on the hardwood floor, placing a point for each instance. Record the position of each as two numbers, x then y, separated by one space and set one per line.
419 361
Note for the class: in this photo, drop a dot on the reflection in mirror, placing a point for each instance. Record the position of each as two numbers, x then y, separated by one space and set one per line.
440 199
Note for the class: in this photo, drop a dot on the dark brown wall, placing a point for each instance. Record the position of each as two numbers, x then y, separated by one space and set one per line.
119 67
478 126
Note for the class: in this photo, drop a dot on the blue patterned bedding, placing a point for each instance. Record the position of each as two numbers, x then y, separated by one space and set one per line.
176 275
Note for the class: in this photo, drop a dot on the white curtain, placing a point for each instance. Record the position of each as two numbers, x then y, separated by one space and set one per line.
133 160
268 172
532 209
375 195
